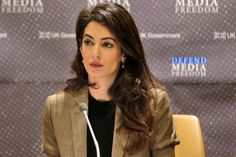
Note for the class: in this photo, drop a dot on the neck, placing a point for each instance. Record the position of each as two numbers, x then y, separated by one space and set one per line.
100 90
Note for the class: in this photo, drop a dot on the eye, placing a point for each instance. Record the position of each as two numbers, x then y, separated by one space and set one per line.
107 44
87 42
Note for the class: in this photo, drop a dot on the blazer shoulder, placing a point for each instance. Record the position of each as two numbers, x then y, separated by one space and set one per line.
57 96
159 93
67 99
161 98
60 99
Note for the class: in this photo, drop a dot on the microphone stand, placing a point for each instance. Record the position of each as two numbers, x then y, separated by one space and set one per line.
84 110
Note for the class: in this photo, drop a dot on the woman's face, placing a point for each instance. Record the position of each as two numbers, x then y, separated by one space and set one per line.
101 52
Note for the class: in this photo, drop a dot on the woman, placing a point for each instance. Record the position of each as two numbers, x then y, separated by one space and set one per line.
128 109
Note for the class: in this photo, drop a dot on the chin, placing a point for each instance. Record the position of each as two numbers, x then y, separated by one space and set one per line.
96 75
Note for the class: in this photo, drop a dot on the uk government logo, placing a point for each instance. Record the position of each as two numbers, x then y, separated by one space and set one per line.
188 66
22 6
56 35
224 35
149 35
196 6
124 3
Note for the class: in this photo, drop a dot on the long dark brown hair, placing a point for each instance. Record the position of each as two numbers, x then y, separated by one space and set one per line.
131 88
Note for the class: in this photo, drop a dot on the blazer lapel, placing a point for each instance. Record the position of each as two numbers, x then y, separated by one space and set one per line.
79 125
119 140
79 128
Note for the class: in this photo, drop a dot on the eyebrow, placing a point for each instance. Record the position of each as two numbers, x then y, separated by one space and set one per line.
105 38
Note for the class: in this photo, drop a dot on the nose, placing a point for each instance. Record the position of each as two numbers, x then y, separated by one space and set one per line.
96 53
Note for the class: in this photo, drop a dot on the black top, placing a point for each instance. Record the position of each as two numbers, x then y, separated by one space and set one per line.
102 116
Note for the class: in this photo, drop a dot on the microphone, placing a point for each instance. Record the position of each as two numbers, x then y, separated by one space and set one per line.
84 109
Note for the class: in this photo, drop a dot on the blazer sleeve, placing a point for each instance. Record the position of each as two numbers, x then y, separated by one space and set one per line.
48 139
164 136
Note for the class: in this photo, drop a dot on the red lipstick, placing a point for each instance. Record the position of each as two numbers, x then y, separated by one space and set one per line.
95 64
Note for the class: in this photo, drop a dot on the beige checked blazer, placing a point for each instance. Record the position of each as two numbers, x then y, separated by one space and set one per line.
64 128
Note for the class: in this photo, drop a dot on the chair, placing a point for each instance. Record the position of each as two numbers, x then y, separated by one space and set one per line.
189 132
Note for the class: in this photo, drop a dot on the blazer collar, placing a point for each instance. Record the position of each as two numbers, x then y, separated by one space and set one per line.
79 126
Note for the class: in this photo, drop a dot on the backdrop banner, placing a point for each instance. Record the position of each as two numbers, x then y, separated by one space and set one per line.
190 46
